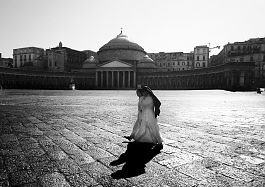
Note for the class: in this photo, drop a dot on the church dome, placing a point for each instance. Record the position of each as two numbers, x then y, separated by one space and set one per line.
121 48
146 62
121 42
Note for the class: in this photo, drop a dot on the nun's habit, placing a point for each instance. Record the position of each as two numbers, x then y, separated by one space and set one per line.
146 128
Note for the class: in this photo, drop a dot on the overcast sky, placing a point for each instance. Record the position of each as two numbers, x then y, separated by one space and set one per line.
156 25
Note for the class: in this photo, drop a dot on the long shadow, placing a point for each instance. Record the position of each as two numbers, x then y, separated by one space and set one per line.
135 159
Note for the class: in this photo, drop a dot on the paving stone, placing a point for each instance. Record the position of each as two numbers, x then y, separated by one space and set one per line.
97 152
43 126
26 139
41 168
34 152
26 147
3 175
206 176
1 163
234 173
16 163
35 132
57 155
6 138
81 179
180 158
53 180
34 184
84 146
112 148
11 145
33 119
82 158
68 166
102 175
252 160
22 177
33 159
4 183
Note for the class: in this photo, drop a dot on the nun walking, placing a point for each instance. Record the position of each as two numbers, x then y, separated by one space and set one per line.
145 140
146 128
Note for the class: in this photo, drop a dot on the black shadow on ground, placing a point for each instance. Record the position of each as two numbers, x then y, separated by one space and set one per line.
135 158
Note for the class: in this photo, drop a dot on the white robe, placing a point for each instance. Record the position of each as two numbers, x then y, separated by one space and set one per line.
146 128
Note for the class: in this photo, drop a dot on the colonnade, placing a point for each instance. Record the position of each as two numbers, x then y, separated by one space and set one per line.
108 79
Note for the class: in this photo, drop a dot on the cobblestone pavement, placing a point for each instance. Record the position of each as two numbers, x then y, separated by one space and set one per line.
65 138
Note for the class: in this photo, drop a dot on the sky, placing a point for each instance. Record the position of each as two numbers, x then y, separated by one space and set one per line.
156 25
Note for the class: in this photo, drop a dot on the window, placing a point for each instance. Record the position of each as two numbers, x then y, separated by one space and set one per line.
197 64
203 57
251 58
198 58
203 64
183 63
232 48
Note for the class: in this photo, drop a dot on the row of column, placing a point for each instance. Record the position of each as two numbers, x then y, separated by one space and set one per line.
115 79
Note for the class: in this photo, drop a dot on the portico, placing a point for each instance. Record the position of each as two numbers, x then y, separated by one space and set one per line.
116 75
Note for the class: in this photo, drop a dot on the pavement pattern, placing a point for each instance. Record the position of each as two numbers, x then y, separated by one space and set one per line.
51 140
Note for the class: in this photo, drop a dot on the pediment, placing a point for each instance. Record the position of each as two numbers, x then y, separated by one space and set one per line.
116 64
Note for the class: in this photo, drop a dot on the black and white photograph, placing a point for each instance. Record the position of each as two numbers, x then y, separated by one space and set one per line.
132 93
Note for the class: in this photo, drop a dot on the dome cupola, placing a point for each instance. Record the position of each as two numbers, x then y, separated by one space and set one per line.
121 48
146 62
121 42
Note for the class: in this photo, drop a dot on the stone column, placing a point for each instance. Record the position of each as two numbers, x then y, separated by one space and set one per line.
118 79
107 78
134 79
101 84
129 79
123 79
112 79
96 79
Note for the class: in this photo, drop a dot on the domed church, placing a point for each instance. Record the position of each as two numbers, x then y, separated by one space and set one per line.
119 60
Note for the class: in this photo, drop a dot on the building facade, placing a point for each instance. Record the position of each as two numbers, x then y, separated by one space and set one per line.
56 61
201 56
29 57
251 51
6 62
174 61
65 59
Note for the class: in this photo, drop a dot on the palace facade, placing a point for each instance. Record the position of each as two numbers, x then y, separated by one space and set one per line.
124 64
